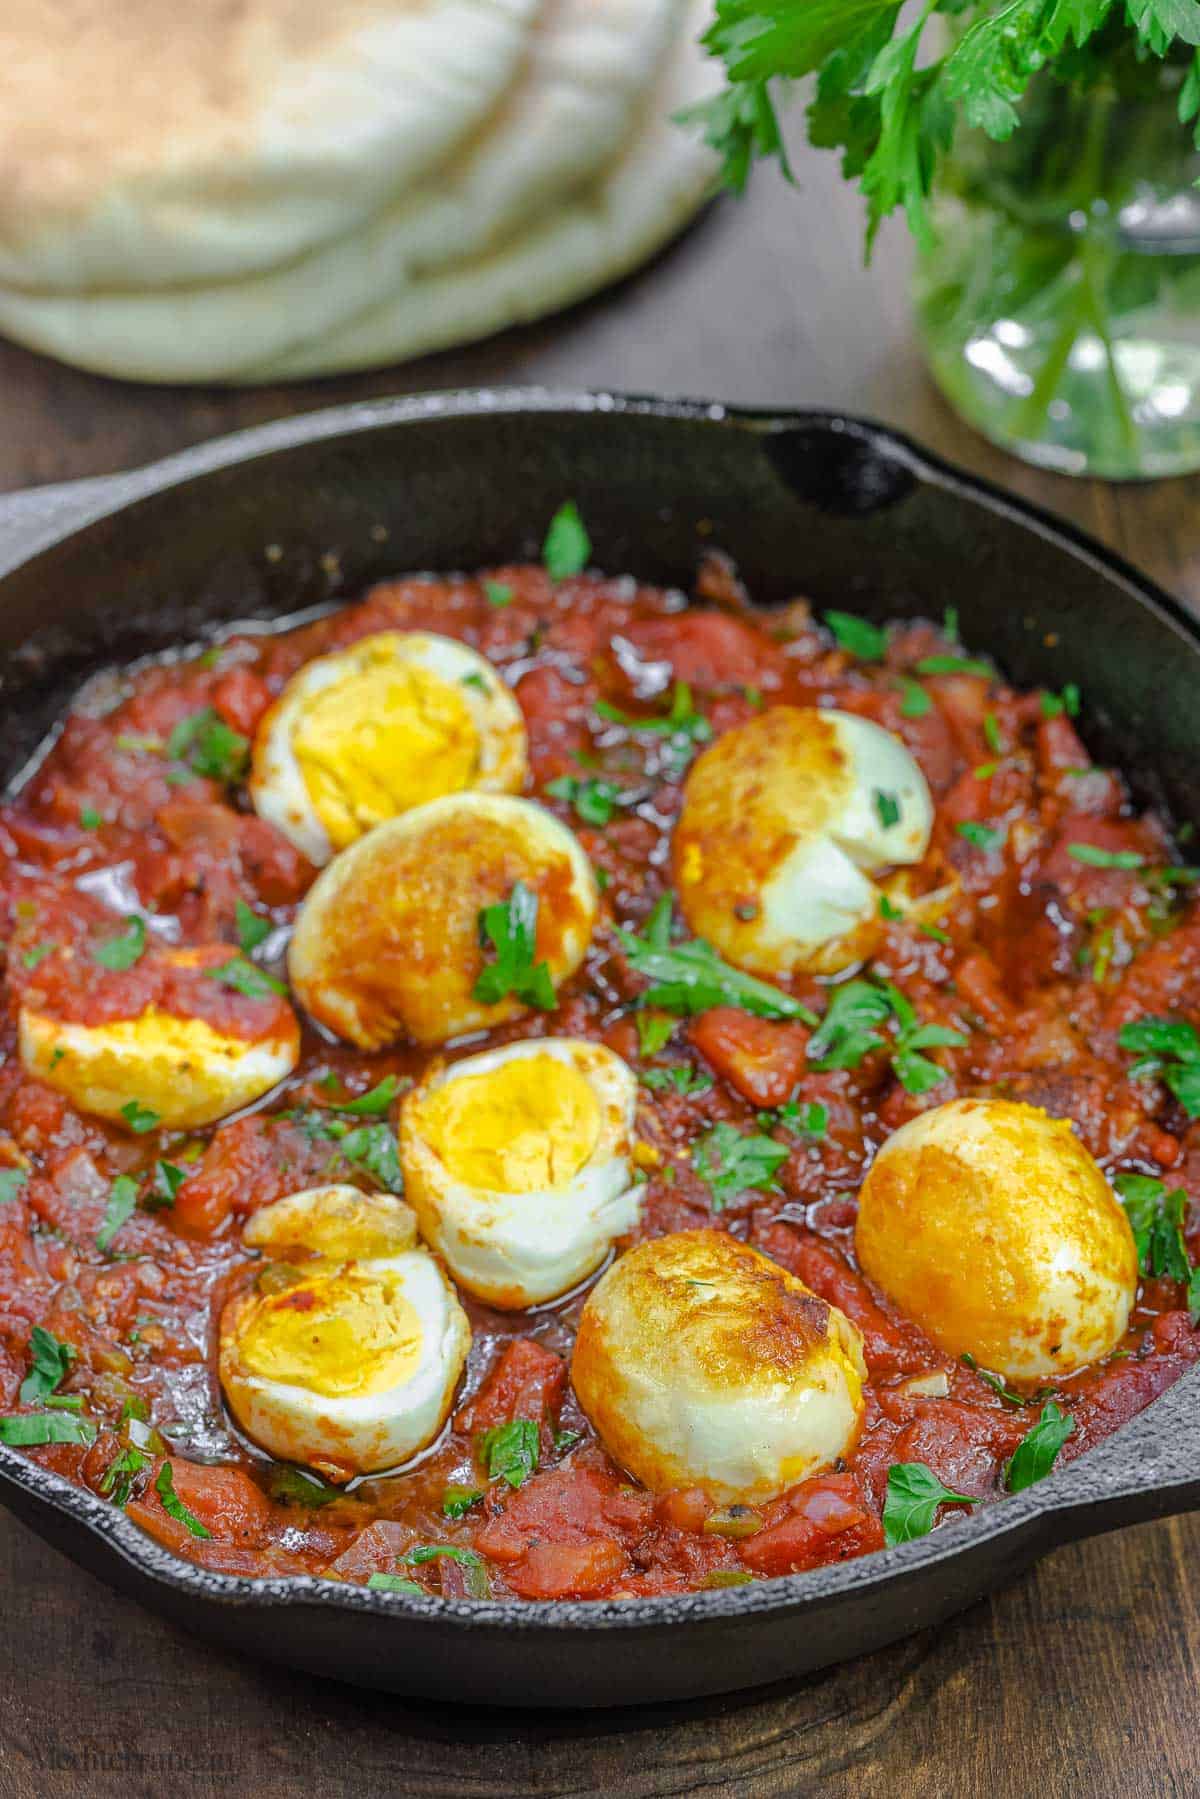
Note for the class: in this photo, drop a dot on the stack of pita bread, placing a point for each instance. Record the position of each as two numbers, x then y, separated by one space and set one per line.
252 190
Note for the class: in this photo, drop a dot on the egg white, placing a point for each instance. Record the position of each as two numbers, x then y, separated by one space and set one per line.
702 1363
181 1068
387 945
367 764
992 1227
784 821
349 1431
520 1248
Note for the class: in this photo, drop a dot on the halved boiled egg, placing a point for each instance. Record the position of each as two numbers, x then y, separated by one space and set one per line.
390 941
192 1052
520 1165
702 1363
346 1354
784 820
991 1226
366 733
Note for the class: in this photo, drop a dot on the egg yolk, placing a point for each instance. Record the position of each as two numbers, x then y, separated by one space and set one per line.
337 1231
346 1335
526 1126
386 737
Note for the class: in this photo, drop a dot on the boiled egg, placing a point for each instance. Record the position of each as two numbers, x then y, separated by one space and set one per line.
520 1165
991 1226
784 821
346 1354
366 733
390 943
168 1058
702 1363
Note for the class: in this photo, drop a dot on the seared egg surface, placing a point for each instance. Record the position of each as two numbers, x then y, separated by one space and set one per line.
366 733
990 1224
185 1069
346 1354
520 1165
387 944
785 818
700 1362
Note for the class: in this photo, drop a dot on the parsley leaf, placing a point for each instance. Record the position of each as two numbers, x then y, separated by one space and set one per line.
30 958
139 1118
567 546
252 929
654 1030
914 1494
373 1148
498 593
510 1451
299 1486
848 1032
162 1193
954 665
50 1364
984 837
1037 1452
730 1162
374 1102
457 1500
1170 1049
394 1583
594 800
125 948
90 819
686 1081
247 978
11 1182
682 725
116 1483
1098 858
210 747
164 1486
691 977
857 636
1007 1395
511 929
30 1430
1055 704
914 701
888 808
118 1210
1156 1220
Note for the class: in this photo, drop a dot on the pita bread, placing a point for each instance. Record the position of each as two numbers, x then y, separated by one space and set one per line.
567 175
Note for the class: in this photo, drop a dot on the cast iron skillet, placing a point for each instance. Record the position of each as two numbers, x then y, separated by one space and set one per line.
275 519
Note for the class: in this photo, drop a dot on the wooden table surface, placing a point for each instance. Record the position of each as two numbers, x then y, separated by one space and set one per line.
1083 1678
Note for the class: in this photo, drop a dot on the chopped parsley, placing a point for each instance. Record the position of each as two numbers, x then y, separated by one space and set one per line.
210 747
655 1030
888 808
1037 1452
139 1118
510 927
394 1583
90 819
432 1552
125 948
850 1030
510 1451
914 1494
31 1430
594 800
567 547
252 928
498 593
298 1486
373 1148
11 1182
1156 1220
374 1102
117 1481
164 1188
992 735
1169 1049
887 910
118 1210
984 837
731 1162
691 977
30 958
1007 1395
857 636
914 701
1098 858
682 724
457 1500
247 978
687 1081
811 1120
1055 704
50 1363
164 1486
954 665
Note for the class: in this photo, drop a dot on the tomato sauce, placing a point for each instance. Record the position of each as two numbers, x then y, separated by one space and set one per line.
1036 957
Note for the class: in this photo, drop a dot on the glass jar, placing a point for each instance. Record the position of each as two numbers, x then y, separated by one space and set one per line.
1059 299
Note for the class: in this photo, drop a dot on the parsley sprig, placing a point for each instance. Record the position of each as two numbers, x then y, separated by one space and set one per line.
510 927
851 1029
1156 1219
732 1162
1168 1048
914 1494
